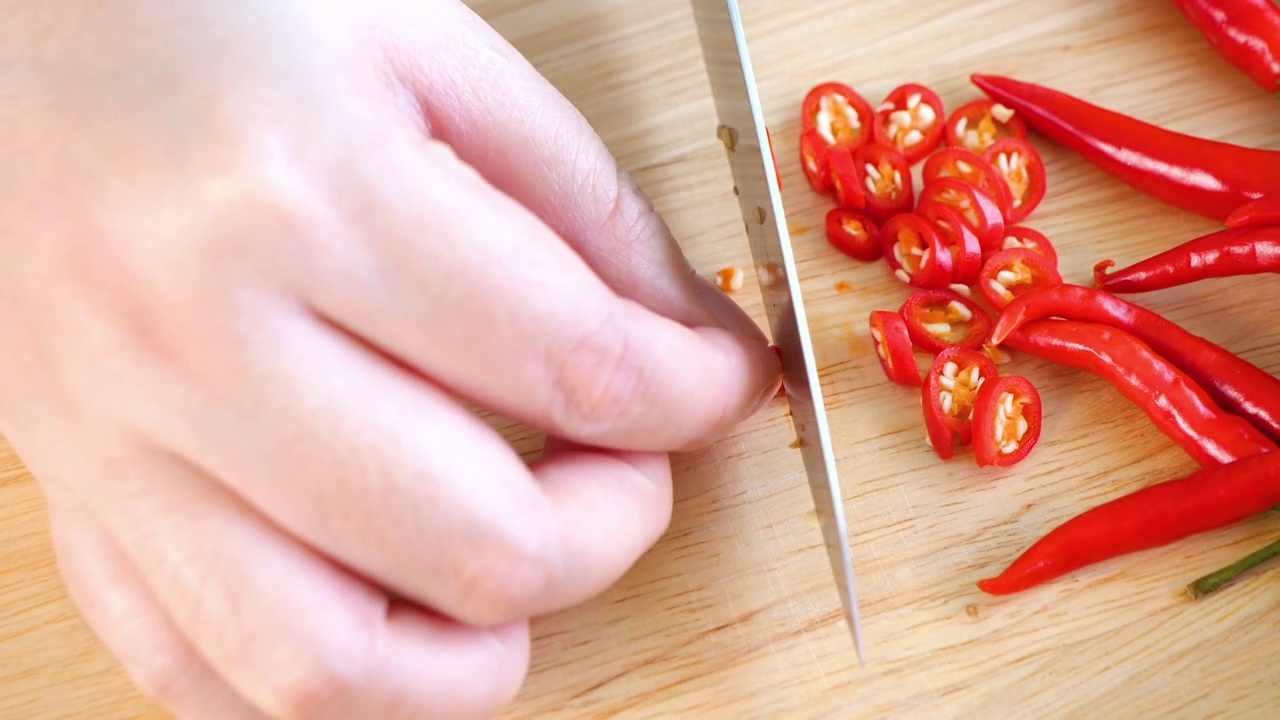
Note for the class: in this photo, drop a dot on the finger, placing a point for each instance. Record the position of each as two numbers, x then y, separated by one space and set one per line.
290 630
467 287
106 588
483 98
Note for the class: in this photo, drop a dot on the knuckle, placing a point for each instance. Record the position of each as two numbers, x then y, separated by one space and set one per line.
313 682
508 578
631 218
163 673
598 381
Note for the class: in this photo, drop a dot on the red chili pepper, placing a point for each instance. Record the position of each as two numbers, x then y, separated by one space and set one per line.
915 252
854 234
979 210
966 250
950 390
893 348
939 319
1022 169
977 125
1206 177
1009 273
1021 236
1248 250
813 160
886 176
1152 517
846 190
841 116
1244 32
972 168
1174 402
1006 421
1263 211
910 121
1233 382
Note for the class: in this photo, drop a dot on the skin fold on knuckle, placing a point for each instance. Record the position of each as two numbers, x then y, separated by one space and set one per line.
315 680
507 572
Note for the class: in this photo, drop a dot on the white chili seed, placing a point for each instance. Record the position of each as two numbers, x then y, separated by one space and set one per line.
926 114
950 369
961 125
963 166
1007 277
913 137
900 117
871 185
959 310
947 399
947 383
873 171
1009 448
902 275
913 100
1001 112
937 328
1022 427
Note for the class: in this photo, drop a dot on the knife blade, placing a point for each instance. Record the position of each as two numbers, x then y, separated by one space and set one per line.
746 140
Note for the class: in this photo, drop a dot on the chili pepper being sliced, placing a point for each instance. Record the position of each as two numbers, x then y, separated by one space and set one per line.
966 251
893 348
910 121
1233 382
939 319
841 116
978 125
915 252
1244 32
1202 176
1155 516
886 176
1023 171
1006 421
845 188
1021 236
972 168
1250 250
1009 273
1263 211
854 234
947 398
813 160
1174 402
977 208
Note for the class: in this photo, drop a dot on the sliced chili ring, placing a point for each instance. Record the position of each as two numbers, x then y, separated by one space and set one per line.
971 168
886 176
841 116
854 234
845 187
893 347
966 251
978 125
813 160
910 121
1010 273
948 396
1021 236
978 209
915 252
1022 169
939 319
1007 417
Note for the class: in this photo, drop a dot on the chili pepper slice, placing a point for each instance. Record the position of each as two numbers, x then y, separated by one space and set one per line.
841 116
1174 402
977 208
1248 250
1021 236
939 319
845 188
966 251
1152 517
893 348
1246 33
972 168
910 121
1022 169
886 176
813 160
854 234
1009 273
1233 382
978 125
1206 177
950 389
915 252
1263 211
1006 421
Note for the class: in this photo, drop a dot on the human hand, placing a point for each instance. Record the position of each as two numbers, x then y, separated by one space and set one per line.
247 287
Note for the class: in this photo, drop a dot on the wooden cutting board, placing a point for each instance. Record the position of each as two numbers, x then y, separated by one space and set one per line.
734 613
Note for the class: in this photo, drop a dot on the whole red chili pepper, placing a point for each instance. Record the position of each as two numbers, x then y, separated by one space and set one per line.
1237 385
1203 176
1178 406
1263 211
1244 32
1155 516
1247 250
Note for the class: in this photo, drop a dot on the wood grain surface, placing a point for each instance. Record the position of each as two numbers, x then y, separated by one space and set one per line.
733 613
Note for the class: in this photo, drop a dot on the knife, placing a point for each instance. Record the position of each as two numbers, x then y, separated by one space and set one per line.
746 140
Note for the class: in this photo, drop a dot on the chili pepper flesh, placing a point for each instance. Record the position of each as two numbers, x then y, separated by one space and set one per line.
1006 421
1246 33
893 348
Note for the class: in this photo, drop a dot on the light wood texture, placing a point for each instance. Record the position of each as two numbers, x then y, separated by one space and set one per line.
734 613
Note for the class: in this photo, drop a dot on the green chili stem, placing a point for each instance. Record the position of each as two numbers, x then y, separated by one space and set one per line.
1213 581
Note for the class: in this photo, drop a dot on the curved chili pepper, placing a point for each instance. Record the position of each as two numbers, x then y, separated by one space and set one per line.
1237 385
1206 177
1244 32
1263 211
1227 253
1178 406
1155 516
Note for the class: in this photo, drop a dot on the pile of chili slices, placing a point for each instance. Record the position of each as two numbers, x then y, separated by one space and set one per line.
957 240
